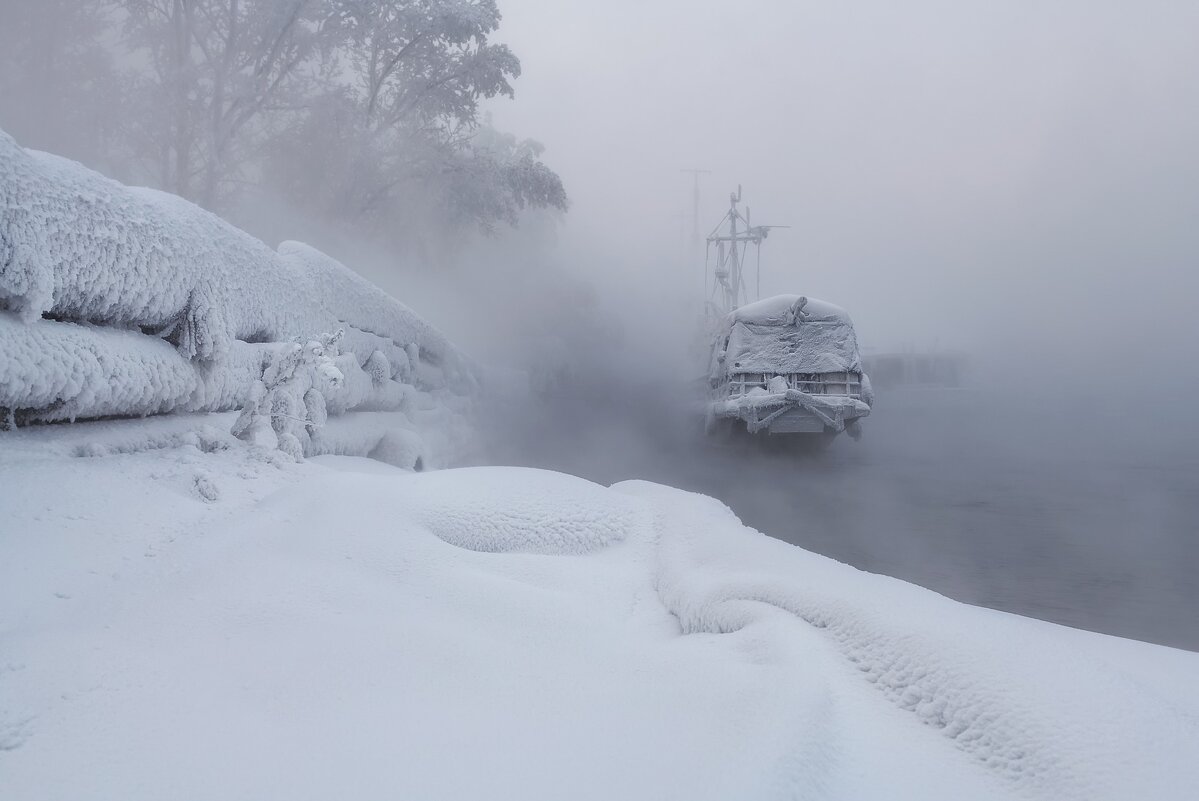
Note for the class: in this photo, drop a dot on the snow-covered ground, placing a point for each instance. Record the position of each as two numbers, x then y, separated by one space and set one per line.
185 615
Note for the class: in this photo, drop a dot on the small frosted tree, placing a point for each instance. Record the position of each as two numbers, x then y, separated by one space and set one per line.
290 395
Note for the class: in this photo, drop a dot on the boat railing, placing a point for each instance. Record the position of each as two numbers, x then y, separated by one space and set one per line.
843 383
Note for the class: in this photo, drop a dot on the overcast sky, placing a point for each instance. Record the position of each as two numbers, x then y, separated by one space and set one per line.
946 167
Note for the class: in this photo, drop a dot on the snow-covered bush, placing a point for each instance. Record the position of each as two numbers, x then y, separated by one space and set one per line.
290 395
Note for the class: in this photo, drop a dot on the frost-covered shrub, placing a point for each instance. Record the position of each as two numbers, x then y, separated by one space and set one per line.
290 395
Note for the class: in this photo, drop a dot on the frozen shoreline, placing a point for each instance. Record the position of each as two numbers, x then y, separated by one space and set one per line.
344 628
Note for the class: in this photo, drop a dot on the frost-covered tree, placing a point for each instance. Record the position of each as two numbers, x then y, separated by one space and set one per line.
400 182
222 76
424 63
406 115
367 112
495 176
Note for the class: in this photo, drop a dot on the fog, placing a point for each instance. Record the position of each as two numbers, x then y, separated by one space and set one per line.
1004 178
1016 181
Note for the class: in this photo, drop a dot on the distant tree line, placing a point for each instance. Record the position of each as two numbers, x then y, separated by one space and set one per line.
362 111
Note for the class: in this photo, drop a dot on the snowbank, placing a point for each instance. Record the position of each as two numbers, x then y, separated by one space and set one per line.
1051 712
206 620
520 510
79 246
155 305
67 370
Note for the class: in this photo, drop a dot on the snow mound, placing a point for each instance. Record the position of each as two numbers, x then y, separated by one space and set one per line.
308 628
82 247
521 510
156 306
68 370
1017 696
77 246
387 437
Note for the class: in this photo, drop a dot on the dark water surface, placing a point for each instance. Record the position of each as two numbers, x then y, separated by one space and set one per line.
1021 507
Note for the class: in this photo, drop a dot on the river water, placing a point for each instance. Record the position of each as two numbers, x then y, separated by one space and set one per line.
1015 506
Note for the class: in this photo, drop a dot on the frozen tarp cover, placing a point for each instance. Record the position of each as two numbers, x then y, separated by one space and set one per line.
790 334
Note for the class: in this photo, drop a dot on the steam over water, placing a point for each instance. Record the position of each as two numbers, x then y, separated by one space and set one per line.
1015 181
1005 504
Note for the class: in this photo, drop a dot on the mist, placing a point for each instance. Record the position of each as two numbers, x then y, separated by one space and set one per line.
1015 181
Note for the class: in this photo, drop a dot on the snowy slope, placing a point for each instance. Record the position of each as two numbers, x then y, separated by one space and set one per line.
206 620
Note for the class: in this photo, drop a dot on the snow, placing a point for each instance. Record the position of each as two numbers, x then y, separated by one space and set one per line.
389 437
769 337
118 301
88 249
810 347
516 510
755 406
68 370
781 336
374 320
188 613
81 247
206 619
780 310
1050 711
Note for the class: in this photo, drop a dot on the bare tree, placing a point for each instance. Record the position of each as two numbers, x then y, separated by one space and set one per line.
223 72
365 111
413 75
425 63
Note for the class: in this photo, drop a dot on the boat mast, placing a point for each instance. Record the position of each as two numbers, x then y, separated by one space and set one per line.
731 250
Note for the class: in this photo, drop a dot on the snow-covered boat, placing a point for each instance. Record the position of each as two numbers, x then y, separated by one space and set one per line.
787 365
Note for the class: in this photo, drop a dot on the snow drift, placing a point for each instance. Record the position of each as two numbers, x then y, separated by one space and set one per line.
208 620
116 301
